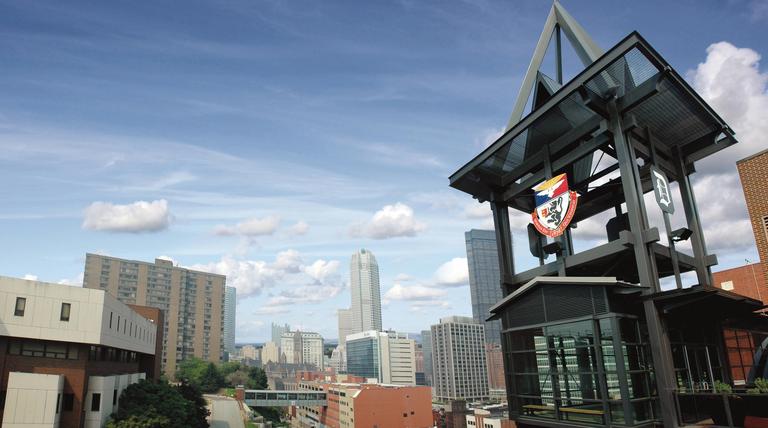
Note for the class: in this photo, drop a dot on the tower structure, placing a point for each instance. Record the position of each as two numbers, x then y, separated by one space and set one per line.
366 294
589 336
484 279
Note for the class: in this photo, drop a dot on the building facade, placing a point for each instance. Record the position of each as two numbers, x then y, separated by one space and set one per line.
484 279
747 280
752 171
366 405
66 353
426 349
230 318
270 352
192 303
278 331
345 324
365 291
458 359
388 357
303 347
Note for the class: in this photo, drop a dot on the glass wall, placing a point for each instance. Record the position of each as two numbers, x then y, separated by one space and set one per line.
591 372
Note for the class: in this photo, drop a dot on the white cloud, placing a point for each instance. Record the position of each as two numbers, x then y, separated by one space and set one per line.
305 294
390 222
321 270
270 310
30 277
453 273
403 277
300 228
251 227
488 137
137 217
413 293
77 281
252 277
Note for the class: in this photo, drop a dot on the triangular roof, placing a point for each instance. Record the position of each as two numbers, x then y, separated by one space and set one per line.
586 49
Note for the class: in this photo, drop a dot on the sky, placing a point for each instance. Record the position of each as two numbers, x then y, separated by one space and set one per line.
268 140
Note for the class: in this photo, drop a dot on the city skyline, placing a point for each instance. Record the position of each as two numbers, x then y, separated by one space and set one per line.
219 173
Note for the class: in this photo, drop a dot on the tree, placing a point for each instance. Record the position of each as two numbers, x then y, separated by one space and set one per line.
156 404
239 377
192 370
211 380
257 379
192 394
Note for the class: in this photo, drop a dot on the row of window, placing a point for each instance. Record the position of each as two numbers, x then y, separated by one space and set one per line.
40 348
106 353
21 307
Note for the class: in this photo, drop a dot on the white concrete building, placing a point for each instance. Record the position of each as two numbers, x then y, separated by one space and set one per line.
49 328
387 356
303 347
365 291
458 359
345 324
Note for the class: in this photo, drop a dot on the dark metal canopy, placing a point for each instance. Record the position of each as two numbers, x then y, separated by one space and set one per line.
709 302
646 88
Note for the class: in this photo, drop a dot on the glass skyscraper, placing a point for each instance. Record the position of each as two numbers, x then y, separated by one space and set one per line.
484 279
366 294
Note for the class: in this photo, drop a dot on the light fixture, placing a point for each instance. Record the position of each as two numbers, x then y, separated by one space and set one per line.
681 234
553 248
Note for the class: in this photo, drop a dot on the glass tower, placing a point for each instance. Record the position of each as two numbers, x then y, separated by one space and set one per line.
366 294
484 279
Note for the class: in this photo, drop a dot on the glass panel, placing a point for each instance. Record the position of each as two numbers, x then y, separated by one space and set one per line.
56 350
617 413
642 411
33 349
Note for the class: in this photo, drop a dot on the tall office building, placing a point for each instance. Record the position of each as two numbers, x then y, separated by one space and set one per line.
386 356
278 331
345 324
458 359
192 302
366 295
230 311
484 279
303 347
426 349
753 170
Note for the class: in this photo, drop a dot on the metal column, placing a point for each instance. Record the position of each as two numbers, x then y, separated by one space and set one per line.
660 347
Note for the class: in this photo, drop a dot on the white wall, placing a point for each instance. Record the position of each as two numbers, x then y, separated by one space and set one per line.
106 386
32 400
88 321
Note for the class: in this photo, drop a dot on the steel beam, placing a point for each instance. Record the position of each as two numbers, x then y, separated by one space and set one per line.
503 241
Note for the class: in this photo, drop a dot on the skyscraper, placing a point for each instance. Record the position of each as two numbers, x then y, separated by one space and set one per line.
230 309
345 324
484 279
192 302
426 349
458 359
366 295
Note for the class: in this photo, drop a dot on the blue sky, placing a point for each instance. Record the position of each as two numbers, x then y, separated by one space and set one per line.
269 140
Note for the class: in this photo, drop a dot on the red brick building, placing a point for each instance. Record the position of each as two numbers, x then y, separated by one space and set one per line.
753 172
746 280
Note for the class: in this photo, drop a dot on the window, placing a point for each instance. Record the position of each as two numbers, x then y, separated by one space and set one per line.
65 308
95 402
727 285
114 398
68 403
110 319
21 304
58 403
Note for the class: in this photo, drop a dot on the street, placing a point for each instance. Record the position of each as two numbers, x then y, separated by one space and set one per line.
225 413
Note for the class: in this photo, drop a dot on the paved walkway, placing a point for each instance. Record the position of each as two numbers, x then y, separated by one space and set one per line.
225 413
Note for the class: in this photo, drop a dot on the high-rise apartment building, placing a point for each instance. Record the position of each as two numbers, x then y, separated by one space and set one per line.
484 279
753 171
426 349
303 347
192 302
459 360
386 356
366 294
230 320
345 324
278 331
